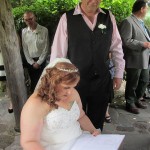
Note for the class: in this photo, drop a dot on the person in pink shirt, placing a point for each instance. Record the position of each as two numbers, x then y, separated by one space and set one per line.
86 35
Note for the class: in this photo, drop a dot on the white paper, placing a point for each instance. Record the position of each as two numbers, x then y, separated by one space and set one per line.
101 142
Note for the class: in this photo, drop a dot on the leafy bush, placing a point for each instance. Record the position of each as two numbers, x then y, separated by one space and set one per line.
147 22
147 19
120 8
48 13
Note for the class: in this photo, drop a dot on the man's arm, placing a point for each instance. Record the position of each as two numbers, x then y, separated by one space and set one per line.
25 49
127 34
117 54
46 47
60 43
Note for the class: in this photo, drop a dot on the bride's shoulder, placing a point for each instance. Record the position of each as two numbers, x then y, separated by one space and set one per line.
33 100
35 105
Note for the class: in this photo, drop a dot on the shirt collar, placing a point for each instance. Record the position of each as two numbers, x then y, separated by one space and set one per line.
36 30
79 11
140 20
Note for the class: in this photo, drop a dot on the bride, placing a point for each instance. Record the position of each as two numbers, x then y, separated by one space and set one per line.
53 118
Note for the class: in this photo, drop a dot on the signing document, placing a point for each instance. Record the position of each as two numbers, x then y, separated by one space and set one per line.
101 142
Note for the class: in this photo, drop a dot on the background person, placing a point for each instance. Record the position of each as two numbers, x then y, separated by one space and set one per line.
86 35
52 117
3 82
111 69
136 45
35 43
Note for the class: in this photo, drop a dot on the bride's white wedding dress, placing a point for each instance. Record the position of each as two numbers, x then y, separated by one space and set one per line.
61 128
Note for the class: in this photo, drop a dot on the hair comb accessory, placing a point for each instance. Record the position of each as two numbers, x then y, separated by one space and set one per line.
51 65
68 70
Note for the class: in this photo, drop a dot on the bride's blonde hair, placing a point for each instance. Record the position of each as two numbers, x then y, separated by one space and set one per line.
62 72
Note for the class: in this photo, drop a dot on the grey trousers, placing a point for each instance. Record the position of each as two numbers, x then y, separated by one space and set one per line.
136 83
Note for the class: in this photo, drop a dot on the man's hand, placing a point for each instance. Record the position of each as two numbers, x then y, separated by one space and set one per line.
146 44
117 83
36 65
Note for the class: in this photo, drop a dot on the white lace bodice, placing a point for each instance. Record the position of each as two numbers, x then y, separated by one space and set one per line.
61 126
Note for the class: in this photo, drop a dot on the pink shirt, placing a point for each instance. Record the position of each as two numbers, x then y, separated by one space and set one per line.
60 44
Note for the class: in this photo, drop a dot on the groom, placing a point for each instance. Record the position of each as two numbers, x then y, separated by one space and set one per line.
86 35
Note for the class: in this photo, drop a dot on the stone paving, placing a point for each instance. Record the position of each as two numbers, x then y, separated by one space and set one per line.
7 124
136 128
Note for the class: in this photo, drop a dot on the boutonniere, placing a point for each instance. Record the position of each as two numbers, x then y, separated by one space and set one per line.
102 27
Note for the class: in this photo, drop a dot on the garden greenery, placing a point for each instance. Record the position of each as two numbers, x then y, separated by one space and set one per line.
48 12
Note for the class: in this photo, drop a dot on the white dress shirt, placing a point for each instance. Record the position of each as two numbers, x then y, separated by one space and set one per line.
35 44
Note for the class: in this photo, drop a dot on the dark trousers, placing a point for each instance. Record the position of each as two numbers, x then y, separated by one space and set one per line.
95 94
35 75
136 83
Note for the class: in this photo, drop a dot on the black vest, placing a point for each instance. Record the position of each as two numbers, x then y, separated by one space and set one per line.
88 49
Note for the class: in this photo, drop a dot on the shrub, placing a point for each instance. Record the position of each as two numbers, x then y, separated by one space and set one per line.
48 13
120 8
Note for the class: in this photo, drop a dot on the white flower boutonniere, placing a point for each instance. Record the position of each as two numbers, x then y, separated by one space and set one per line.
102 27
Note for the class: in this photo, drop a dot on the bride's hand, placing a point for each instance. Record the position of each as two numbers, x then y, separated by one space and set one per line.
96 132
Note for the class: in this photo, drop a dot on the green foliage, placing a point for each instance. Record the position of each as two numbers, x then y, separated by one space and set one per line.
16 3
120 8
147 23
106 3
147 19
48 12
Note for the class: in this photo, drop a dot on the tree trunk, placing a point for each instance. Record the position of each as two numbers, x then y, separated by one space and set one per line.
9 45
